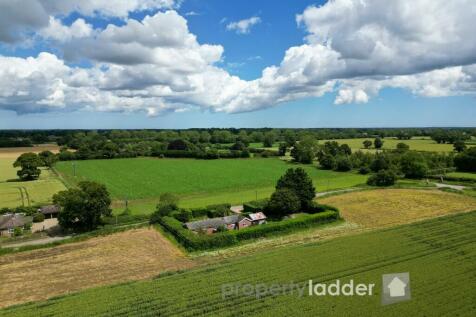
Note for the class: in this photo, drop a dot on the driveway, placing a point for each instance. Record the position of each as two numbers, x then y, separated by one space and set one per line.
457 187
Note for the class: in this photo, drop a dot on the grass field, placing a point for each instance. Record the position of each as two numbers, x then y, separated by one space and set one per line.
439 254
420 144
14 193
199 182
389 207
125 256
462 175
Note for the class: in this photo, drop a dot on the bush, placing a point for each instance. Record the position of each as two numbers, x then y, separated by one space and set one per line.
364 170
220 210
169 199
283 201
343 164
183 215
382 178
466 160
25 210
255 205
327 162
17 232
38 217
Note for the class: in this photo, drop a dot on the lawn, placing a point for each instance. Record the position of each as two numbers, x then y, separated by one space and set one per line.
15 193
438 254
198 182
420 144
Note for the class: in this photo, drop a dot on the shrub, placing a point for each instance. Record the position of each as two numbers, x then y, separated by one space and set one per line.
38 217
282 202
364 170
255 205
183 215
382 178
327 162
25 210
169 199
343 164
219 210
17 232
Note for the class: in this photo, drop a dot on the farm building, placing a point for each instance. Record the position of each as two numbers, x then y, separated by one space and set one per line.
49 211
9 222
229 222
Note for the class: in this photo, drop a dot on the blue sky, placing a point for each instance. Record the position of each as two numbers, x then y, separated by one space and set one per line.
318 79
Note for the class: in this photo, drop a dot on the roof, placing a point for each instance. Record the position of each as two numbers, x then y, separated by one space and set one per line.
213 222
11 221
257 216
49 209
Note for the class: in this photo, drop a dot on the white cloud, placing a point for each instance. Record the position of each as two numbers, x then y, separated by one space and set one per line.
57 31
243 26
156 65
20 16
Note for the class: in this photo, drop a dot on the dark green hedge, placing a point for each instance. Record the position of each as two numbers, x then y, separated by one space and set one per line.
193 241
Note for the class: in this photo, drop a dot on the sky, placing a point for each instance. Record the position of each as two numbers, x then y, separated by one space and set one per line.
180 64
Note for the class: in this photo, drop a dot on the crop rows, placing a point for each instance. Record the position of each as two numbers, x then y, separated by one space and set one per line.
440 255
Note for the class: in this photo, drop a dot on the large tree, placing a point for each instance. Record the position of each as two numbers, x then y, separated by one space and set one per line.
28 163
305 150
378 143
48 158
413 165
300 183
83 207
283 202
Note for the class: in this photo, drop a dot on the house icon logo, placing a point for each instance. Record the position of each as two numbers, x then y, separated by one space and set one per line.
395 288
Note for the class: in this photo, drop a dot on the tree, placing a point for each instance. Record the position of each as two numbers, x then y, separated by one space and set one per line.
402 147
305 150
178 145
283 201
298 181
367 144
327 162
282 149
379 163
345 149
413 165
382 178
83 207
343 163
459 146
269 138
378 143
169 199
28 163
48 158
466 160
238 146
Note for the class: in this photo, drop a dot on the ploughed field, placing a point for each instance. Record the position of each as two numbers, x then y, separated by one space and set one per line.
131 255
439 254
199 182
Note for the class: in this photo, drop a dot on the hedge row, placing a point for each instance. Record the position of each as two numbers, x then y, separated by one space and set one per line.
193 241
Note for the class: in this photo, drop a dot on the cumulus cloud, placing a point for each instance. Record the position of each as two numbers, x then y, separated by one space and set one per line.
353 48
20 16
243 26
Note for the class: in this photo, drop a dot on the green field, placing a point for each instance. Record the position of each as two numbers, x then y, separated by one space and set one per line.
14 193
439 254
420 144
462 175
199 182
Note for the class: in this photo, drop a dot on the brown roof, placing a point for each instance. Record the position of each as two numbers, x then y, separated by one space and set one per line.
49 209
11 221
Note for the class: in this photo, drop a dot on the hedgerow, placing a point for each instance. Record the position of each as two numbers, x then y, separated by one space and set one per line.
197 241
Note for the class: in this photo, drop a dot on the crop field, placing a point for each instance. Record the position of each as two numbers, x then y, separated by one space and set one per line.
439 254
130 255
14 193
420 144
199 182
389 207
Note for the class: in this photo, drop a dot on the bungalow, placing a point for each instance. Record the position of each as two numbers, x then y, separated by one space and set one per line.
229 222
9 222
49 211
